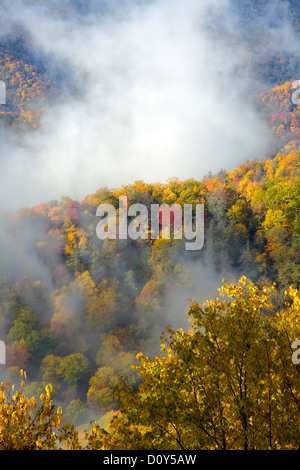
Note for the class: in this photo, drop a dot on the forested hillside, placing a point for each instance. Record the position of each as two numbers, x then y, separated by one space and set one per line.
76 311
27 86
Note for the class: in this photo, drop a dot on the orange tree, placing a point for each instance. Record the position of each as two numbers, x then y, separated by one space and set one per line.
228 383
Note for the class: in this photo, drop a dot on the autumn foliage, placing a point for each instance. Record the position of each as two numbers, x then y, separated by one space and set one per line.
227 383
83 316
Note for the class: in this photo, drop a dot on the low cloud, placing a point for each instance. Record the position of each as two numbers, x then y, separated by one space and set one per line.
162 91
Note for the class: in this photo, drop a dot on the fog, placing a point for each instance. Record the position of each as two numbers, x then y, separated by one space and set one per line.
153 90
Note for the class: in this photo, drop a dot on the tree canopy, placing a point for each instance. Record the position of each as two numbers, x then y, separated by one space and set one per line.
227 383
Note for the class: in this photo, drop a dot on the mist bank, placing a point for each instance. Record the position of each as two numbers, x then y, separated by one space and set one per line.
148 90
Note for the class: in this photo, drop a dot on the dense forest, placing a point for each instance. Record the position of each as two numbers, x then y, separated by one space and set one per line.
76 310
86 315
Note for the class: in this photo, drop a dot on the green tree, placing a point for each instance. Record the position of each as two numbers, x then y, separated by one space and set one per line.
76 412
103 386
24 331
74 368
50 369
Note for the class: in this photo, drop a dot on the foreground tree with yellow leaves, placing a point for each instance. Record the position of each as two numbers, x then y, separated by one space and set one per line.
228 383
26 426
